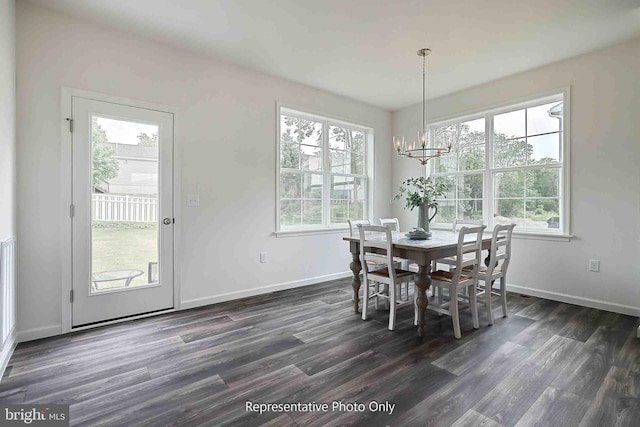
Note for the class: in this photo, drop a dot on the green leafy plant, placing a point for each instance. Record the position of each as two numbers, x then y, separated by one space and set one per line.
421 190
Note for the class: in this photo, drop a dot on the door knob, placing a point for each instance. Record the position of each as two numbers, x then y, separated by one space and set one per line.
166 221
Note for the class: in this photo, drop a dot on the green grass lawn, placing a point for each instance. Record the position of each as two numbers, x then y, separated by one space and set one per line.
124 246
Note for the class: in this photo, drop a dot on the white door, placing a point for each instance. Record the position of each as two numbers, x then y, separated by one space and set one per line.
122 220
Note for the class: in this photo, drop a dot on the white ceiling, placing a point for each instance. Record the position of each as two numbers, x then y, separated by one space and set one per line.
366 49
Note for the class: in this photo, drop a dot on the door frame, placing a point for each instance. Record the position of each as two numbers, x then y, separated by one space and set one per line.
66 173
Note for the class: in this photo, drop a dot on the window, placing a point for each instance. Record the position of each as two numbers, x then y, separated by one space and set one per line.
506 166
323 179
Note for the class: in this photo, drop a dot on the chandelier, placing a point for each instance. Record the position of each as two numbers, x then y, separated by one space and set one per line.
421 150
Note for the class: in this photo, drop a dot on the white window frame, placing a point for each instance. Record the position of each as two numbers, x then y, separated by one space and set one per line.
327 226
488 196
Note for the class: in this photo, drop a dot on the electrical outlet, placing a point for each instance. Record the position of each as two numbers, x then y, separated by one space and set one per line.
263 257
594 265
193 200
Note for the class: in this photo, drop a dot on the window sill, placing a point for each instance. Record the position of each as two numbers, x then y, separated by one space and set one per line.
543 236
310 232
525 235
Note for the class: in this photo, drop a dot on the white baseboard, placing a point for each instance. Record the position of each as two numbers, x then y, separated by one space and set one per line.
7 351
571 299
214 299
38 333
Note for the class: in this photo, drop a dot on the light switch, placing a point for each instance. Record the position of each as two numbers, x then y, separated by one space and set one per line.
193 200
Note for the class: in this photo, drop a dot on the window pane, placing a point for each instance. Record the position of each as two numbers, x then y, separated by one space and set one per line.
509 125
545 148
312 186
508 211
450 182
469 209
543 182
338 161
471 133
302 131
446 163
289 153
445 135
446 212
311 212
357 164
290 212
346 139
340 211
471 157
310 158
356 209
470 186
544 118
347 188
543 213
346 162
290 185
509 184
513 152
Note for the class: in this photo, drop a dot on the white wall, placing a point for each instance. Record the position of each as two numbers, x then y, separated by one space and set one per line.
605 176
7 120
227 140
7 143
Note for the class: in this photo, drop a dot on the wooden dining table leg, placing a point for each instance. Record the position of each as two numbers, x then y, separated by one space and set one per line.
356 267
423 282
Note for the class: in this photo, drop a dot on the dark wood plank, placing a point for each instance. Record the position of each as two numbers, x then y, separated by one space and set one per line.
476 349
472 418
450 402
586 321
617 402
541 331
538 309
512 397
585 374
629 356
554 405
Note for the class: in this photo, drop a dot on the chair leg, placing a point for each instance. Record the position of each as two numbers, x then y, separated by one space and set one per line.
376 289
392 308
487 298
503 295
474 305
415 305
365 300
453 308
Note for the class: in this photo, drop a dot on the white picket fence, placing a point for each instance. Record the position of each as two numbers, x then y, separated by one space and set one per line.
110 207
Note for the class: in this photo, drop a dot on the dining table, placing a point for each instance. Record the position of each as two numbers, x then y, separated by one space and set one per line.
441 244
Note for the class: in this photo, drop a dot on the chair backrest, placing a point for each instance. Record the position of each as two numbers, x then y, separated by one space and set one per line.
376 246
500 252
457 223
393 223
469 252
353 226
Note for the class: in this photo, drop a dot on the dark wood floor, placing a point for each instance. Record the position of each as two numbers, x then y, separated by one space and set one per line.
547 364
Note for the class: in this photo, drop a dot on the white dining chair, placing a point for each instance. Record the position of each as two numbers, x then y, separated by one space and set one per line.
468 255
354 232
499 257
353 226
376 245
457 223
405 264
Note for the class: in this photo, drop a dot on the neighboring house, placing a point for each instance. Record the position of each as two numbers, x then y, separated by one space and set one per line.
138 170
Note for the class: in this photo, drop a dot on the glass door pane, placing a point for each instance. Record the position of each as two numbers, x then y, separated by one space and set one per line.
124 204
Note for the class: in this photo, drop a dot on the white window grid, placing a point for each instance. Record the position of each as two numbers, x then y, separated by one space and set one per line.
326 173
489 171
